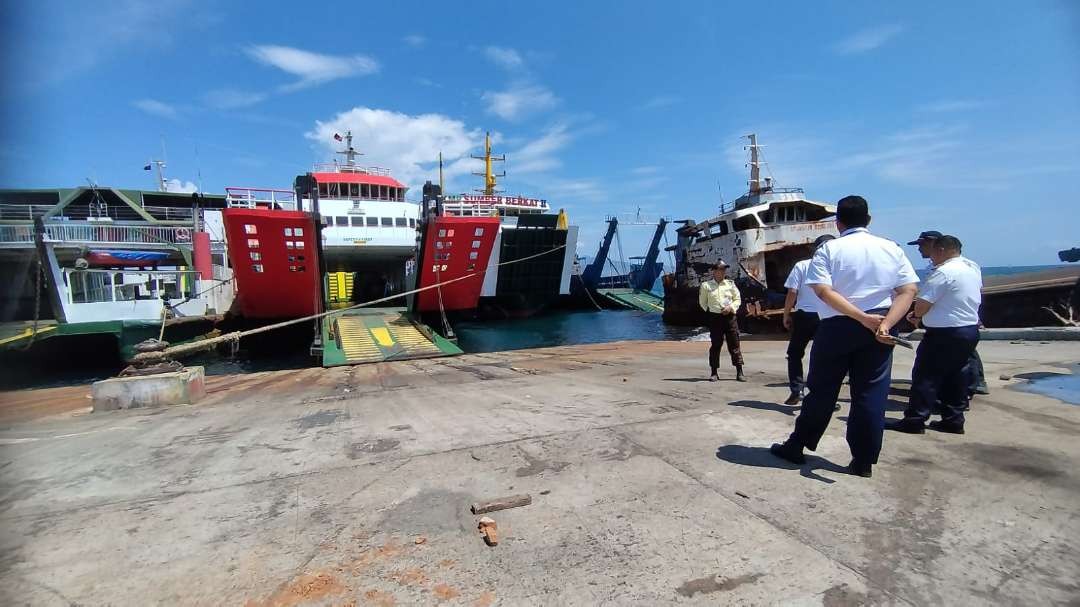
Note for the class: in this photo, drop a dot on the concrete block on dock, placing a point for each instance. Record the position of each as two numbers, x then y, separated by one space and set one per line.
180 388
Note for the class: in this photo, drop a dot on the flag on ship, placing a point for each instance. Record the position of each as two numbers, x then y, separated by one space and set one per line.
337 137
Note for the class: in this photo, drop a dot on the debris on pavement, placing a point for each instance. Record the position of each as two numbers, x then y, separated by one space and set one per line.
502 503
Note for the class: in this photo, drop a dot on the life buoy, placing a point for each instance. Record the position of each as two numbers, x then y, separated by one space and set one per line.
183 235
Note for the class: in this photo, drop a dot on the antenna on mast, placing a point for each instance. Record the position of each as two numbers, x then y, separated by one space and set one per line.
488 175
755 165
442 184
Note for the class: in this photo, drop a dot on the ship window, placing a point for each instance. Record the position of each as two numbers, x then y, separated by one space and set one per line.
250 229
412 223
473 255
401 222
299 258
467 214
372 222
721 228
479 232
323 191
292 258
298 232
435 268
766 216
386 222
746 222
354 190
439 244
357 222
341 221
255 256
442 233
444 267
288 231
253 243
256 267
476 244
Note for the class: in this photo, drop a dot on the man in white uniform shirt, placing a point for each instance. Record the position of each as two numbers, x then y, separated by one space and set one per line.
948 306
866 284
802 322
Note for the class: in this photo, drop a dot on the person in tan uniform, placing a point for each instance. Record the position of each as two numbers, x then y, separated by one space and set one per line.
720 299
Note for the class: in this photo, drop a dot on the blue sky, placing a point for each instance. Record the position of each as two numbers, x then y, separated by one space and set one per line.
959 116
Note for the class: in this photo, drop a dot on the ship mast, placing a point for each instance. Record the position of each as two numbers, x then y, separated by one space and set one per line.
489 175
755 166
349 152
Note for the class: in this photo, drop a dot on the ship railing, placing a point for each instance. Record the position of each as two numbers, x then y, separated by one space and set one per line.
23 212
103 286
254 198
16 235
334 167
29 212
112 234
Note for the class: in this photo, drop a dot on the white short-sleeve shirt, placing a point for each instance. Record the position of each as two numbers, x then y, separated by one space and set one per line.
955 290
805 298
864 268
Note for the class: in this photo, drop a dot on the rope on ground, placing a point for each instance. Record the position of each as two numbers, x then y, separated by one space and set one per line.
188 348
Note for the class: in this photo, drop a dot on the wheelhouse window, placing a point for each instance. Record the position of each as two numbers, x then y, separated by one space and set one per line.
341 221
387 222
357 222
401 222
746 222
372 222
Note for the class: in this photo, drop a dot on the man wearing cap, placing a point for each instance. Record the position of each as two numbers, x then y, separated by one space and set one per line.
973 370
802 322
866 285
948 306
720 299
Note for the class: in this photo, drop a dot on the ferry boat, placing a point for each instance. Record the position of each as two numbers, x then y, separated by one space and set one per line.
761 235
527 229
111 265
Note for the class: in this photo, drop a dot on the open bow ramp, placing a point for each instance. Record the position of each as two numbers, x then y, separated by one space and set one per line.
634 299
379 334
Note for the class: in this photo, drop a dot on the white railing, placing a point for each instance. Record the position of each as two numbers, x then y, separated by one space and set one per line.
16 235
253 198
23 212
333 167
117 234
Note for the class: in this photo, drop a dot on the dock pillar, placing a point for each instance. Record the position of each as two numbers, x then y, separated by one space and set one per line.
179 388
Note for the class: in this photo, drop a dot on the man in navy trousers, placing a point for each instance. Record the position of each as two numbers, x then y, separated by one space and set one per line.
866 285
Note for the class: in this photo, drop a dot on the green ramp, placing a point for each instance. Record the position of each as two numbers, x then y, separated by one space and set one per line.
633 299
371 335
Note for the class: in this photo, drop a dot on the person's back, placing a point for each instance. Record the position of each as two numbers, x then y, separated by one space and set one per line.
862 267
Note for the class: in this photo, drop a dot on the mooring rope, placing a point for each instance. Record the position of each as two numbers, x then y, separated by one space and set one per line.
197 346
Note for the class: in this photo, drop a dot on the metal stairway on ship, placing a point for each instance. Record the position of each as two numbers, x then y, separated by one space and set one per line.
369 335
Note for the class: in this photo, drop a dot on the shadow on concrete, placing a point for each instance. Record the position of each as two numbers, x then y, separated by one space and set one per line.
778 385
890 405
760 457
764 406
696 379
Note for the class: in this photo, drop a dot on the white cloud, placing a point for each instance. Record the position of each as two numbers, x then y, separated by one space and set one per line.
646 170
415 40
519 100
408 145
506 58
951 105
868 39
659 102
426 82
538 155
156 108
181 187
229 99
312 68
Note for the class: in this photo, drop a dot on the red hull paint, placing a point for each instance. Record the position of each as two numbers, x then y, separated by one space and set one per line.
449 253
277 270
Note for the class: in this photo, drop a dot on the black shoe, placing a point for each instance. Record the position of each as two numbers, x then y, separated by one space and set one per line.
857 468
793 399
906 425
739 374
788 451
982 389
950 427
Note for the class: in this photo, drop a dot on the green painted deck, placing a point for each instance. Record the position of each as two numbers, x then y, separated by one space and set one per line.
634 299
377 335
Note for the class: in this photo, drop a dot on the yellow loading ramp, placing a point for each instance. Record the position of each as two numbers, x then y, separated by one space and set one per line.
371 335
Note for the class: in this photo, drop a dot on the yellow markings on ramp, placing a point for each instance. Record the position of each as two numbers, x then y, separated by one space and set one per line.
382 336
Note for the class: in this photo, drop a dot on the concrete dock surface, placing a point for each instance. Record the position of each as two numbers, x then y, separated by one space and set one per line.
352 486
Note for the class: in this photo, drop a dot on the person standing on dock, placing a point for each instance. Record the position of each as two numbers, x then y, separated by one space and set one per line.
866 284
948 306
973 370
720 299
802 322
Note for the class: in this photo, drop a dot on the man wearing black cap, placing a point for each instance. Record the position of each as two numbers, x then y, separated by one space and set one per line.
948 306
866 284
802 322
925 242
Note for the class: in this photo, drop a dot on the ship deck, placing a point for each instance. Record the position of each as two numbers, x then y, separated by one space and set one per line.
649 486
